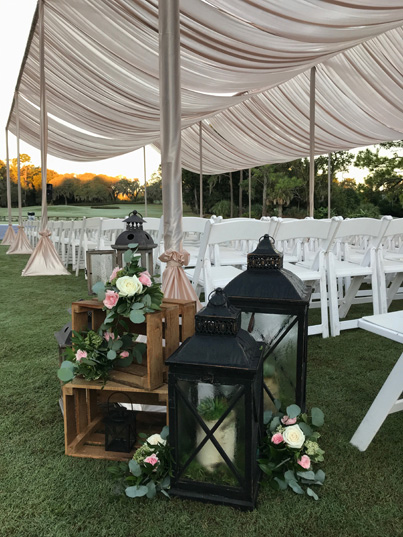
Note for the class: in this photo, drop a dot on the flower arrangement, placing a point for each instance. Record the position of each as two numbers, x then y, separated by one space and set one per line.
290 450
150 469
130 292
93 355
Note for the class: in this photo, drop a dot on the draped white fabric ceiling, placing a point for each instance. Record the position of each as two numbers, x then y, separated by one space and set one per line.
244 65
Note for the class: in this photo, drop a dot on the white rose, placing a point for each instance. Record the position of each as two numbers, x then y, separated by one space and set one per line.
156 439
128 285
293 436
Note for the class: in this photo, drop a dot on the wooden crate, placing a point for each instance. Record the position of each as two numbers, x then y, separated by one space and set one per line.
163 329
84 410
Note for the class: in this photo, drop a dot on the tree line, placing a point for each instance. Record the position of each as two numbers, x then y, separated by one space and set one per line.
276 189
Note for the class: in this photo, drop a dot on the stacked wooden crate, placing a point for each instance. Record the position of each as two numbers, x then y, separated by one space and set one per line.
143 383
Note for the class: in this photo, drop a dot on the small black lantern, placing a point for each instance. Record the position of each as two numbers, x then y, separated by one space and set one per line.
274 304
120 426
135 234
215 409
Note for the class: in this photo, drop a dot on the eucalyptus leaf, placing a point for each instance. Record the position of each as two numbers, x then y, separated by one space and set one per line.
309 475
155 307
165 432
109 319
137 306
146 300
311 493
65 374
275 422
295 487
67 365
165 493
122 308
306 429
99 289
111 355
267 416
137 317
134 467
136 492
117 344
152 491
277 404
133 245
318 418
320 476
293 411
127 256
289 476
166 482
282 485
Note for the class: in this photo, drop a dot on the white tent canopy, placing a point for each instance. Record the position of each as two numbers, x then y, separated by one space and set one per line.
243 65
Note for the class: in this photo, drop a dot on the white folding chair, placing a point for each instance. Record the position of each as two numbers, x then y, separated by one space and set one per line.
111 228
390 265
206 276
312 269
339 270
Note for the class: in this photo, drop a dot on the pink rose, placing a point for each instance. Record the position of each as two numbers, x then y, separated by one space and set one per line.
304 461
109 335
124 354
277 438
80 354
145 278
288 421
152 459
110 299
114 273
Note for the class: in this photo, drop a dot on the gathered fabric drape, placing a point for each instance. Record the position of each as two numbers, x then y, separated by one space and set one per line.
175 283
245 65
9 236
44 260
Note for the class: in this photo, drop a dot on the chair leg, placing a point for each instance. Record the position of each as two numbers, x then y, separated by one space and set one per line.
350 295
323 306
394 288
333 298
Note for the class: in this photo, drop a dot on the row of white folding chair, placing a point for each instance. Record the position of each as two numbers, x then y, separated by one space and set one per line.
31 228
390 265
111 228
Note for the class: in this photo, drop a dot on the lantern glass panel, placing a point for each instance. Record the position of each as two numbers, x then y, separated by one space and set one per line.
278 335
206 404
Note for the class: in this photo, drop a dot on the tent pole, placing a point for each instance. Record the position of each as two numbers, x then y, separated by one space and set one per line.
231 196
17 109
145 181
312 141
43 115
329 184
250 193
201 166
170 105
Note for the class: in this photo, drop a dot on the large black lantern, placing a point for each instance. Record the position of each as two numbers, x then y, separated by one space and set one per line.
120 426
215 409
135 234
274 304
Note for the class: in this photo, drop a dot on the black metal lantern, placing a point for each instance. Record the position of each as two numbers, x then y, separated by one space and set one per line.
215 409
274 304
120 426
135 234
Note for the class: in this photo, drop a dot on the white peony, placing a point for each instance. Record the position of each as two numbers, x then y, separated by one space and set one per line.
155 439
293 436
129 285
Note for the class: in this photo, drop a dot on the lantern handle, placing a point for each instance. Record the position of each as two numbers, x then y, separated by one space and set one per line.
120 393
266 236
220 292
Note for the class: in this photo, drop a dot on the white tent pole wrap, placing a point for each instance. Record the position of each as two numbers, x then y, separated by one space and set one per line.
10 234
21 244
175 284
312 141
329 185
18 160
44 260
170 104
250 193
145 181
201 166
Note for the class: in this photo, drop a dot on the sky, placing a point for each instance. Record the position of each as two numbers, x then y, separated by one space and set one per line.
15 22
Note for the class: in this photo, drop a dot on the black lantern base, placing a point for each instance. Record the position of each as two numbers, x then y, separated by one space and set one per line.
209 494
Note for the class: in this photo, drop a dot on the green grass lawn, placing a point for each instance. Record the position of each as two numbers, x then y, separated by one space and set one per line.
44 493
78 211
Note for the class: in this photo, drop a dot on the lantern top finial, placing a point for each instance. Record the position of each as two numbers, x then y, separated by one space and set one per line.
218 317
265 256
135 218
